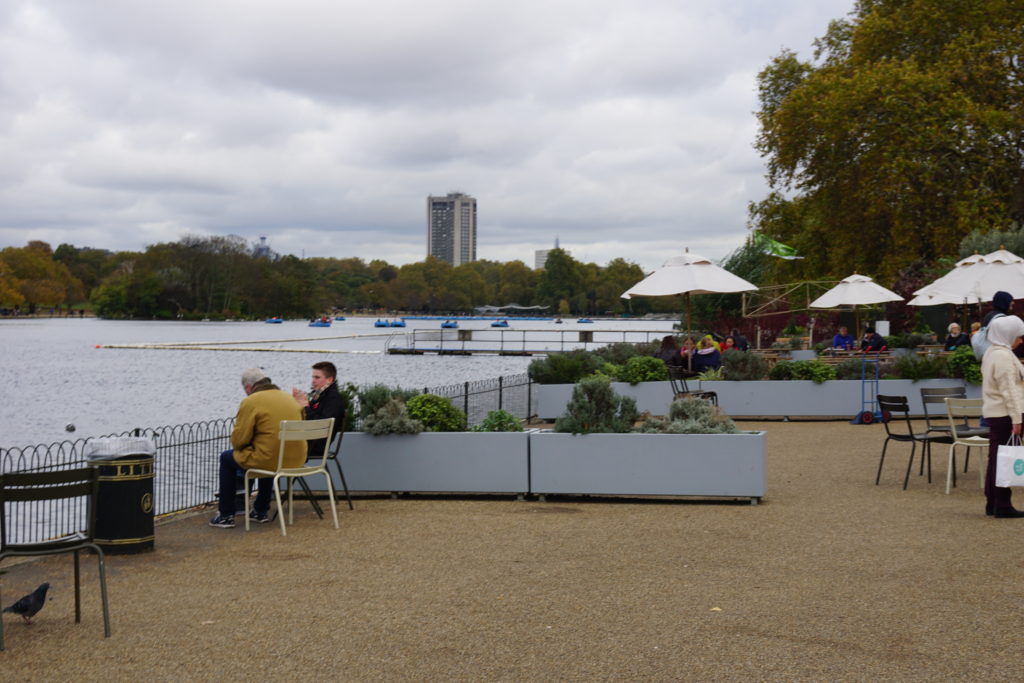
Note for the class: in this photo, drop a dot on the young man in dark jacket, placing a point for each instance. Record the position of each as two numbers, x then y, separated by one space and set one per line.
323 401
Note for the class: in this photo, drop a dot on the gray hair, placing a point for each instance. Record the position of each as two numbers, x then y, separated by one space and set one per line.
252 375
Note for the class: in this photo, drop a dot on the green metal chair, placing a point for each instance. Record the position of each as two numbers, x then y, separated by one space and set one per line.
65 486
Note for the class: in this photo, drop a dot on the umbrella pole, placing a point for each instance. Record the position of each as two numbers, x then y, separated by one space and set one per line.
689 322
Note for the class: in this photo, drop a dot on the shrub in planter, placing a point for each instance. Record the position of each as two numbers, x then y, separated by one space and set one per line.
499 421
813 370
375 397
643 369
962 363
851 368
619 353
391 418
743 365
920 367
436 413
595 408
564 368
711 375
689 416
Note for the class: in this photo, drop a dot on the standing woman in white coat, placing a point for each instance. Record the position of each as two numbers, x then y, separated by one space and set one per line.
1002 390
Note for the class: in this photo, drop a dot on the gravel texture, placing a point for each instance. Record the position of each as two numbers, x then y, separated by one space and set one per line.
830 578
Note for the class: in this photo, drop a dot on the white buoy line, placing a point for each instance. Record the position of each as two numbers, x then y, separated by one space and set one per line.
179 344
193 347
236 345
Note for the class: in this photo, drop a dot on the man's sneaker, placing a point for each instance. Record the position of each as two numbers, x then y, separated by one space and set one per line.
259 517
223 521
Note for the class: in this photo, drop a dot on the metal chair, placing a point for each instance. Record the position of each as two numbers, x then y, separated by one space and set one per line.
332 457
64 486
294 430
680 389
938 396
895 411
958 411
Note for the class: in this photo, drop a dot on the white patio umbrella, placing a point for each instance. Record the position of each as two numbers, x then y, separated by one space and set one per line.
975 279
856 290
688 274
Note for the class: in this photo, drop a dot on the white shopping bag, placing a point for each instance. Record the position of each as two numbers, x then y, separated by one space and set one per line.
1010 463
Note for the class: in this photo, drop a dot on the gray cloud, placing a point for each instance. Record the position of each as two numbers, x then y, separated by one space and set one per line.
624 128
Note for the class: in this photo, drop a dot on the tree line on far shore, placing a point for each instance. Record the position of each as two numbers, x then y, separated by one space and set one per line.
223 277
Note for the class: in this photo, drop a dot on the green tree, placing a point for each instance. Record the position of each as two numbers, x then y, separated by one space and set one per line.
516 284
467 288
905 134
561 279
129 292
88 265
618 276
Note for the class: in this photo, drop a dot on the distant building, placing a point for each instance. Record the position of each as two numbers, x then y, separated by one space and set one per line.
540 257
263 250
451 228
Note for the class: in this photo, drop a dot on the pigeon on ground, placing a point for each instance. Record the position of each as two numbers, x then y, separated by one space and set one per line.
29 605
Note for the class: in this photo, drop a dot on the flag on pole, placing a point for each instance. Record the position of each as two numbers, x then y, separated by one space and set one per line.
770 246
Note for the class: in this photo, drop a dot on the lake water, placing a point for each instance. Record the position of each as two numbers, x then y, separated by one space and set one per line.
58 372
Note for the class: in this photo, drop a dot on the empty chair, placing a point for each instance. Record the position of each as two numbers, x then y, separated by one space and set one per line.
294 430
75 490
934 420
680 389
959 410
898 427
332 455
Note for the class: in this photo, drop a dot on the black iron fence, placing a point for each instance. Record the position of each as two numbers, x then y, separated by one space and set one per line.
513 394
185 475
186 460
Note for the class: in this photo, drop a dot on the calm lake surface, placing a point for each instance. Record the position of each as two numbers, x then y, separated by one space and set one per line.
53 374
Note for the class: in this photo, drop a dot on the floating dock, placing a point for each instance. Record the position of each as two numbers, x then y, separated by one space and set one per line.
510 341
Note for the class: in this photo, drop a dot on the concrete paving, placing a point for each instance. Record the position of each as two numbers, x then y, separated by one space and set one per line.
830 578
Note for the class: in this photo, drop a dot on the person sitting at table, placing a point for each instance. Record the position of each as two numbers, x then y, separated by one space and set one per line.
843 340
669 352
975 326
741 341
708 357
686 353
872 341
729 343
956 338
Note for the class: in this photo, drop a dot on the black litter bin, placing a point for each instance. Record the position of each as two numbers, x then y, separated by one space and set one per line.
124 501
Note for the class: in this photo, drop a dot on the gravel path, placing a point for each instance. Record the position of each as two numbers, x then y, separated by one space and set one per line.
830 578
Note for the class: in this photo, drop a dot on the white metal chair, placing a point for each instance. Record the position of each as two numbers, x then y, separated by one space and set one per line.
294 430
957 410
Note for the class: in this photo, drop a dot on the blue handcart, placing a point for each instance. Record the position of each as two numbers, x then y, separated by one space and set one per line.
869 412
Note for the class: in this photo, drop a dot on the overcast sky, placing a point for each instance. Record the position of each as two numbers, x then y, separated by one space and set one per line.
623 127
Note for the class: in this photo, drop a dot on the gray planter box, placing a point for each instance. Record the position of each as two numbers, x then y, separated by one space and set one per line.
766 398
803 398
435 462
704 465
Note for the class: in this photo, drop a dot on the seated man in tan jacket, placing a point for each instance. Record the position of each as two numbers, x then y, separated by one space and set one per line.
255 445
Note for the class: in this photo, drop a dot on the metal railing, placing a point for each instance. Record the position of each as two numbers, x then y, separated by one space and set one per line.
513 394
187 457
185 474
512 341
